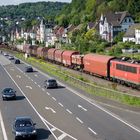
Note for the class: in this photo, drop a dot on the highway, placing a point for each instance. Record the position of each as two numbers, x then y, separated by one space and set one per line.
61 114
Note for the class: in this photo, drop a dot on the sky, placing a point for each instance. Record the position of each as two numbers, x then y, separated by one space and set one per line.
15 2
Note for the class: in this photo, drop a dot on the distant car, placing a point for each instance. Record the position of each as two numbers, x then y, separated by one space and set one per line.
11 57
23 127
28 69
50 83
8 93
5 54
17 61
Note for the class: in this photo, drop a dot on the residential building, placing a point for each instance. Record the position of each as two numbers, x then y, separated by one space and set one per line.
130 35
111 24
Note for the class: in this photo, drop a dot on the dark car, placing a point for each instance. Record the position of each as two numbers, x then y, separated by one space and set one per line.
23 127
17 61
50 83
8 93
28 69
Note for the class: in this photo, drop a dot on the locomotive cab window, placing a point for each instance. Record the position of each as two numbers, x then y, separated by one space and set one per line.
126 68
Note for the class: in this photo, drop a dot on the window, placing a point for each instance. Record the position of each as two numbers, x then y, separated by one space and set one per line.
126 68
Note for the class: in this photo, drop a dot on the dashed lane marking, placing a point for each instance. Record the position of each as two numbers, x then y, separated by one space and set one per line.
79 120
54 98
68 111
92 131
60 104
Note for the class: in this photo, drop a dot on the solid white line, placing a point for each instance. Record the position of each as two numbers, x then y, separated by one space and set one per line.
3 127
60 104
79 120
53 98
62 136
68 111
92 131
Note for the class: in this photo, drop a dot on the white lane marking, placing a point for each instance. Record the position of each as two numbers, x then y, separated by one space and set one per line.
54 98
39 86
92 131
62 136
82 108
60 104
68 111
102 109
29 77
18 76
3 127
35 82
32 80
48 93
79 120
53 129
36 75
49 108
29 87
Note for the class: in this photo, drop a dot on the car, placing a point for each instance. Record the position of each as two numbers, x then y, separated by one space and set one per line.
5 54
8 93
17 61
28 69
50 83
11 57
23 127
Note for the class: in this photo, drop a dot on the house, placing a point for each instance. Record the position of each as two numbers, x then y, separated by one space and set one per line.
111 24
132 33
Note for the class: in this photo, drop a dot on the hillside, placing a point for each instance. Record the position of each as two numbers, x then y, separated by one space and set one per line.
81 11
31 10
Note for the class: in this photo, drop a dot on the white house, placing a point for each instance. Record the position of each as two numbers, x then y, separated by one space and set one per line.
112 23
132 34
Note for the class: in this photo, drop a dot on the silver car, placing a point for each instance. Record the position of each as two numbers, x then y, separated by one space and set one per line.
50 83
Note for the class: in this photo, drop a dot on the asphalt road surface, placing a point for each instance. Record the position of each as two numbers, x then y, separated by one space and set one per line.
62 113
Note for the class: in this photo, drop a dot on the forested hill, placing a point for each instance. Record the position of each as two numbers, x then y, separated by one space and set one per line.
31 10
81 11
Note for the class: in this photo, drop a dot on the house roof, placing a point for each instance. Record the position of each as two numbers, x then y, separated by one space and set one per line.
116 18
131 31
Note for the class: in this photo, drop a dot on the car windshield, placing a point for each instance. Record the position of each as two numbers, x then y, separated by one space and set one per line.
52 81
8 90
23 123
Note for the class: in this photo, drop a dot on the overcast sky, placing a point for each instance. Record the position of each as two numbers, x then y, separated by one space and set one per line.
11 2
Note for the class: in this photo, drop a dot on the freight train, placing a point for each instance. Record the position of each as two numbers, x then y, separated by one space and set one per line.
122 70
